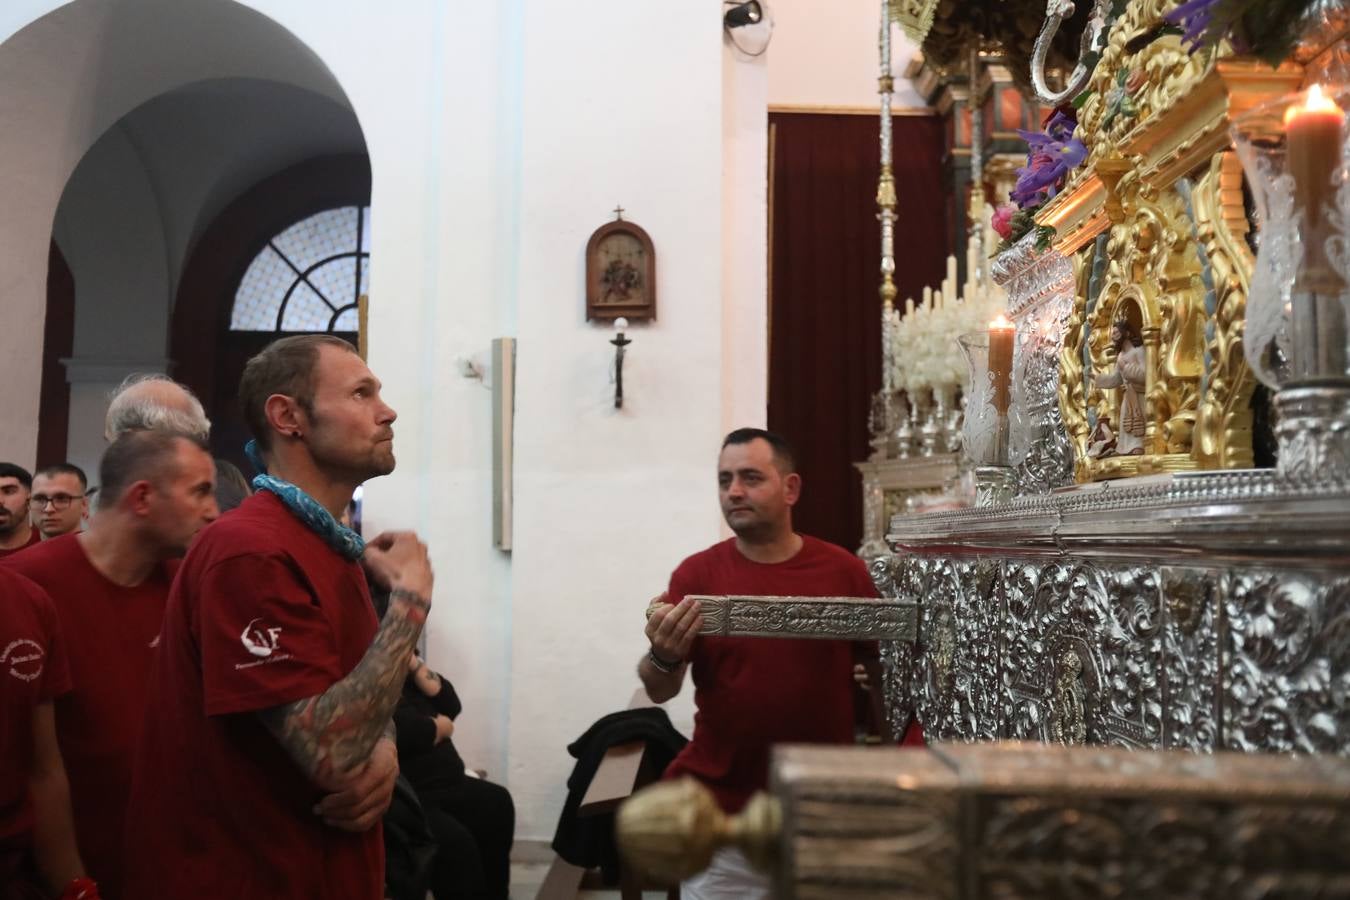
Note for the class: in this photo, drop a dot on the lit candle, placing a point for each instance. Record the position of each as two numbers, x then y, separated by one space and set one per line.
1001 333
1314 134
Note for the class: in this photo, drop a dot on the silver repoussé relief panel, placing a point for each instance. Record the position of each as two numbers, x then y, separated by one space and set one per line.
825 618
1133 655
1191 607
1286 682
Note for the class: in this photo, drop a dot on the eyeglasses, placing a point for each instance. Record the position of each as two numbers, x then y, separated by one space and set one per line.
58 501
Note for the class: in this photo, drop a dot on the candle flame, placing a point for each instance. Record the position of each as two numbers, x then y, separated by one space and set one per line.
1001 323
1316 102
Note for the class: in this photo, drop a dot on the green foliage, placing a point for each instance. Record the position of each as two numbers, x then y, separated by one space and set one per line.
1045 236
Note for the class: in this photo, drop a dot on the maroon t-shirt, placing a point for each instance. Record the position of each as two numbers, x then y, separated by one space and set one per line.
263 613
752 693
34 537
111 633
33 670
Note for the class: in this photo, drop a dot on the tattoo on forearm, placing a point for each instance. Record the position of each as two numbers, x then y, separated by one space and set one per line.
334 732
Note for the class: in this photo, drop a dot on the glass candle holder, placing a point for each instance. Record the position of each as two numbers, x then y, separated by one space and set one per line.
984 433
1296 156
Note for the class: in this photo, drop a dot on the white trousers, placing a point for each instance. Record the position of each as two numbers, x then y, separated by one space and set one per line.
729 877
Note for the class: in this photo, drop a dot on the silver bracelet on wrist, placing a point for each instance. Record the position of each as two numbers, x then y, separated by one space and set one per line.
670 668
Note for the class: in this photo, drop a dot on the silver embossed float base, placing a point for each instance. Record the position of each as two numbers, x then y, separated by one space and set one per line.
1312 431
1205 611
994 485
827 618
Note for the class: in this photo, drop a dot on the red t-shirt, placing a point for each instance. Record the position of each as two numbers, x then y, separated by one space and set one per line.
33 670
752 693
34 537
263 614
111 633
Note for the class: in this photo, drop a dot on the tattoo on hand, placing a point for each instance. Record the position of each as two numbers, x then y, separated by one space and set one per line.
334 732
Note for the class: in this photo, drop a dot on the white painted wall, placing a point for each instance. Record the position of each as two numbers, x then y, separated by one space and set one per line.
608 501
825 54
745 210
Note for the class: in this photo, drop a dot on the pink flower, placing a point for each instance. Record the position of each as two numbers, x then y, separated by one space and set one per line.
1002 221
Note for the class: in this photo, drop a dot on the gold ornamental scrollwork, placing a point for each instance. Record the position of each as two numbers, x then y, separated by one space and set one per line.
1156 77
1223 429
1160 184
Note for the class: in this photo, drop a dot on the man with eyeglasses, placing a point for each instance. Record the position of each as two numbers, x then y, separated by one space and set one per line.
59 502
16 531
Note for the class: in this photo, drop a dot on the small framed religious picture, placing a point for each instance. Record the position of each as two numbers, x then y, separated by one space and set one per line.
620 272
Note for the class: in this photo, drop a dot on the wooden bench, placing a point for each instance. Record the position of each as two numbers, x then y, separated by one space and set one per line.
624 769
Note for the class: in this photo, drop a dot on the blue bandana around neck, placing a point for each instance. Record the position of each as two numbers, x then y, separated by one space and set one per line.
345 542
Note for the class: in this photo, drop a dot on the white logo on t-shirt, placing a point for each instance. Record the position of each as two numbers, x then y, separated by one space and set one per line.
262 640
24 659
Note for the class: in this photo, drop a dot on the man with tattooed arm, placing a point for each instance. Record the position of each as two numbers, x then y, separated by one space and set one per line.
268 756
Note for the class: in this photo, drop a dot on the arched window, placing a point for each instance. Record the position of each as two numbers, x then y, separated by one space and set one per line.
309 277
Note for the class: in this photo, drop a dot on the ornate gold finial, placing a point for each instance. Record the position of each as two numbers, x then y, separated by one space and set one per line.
886 189
670 830
888 291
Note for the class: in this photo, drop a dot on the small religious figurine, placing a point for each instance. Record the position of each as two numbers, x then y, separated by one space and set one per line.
1130 377
1103 439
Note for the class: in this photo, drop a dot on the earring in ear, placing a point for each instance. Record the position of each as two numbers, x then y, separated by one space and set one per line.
295 434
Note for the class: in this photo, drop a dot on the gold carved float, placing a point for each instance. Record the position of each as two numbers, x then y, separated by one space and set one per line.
1155 225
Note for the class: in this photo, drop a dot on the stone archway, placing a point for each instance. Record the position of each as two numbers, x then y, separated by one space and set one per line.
66 78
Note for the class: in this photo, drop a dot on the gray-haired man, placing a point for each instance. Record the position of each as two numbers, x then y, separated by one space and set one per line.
154 402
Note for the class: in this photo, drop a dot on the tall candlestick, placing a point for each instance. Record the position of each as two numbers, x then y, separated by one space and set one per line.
1001 333
1314 147
927 297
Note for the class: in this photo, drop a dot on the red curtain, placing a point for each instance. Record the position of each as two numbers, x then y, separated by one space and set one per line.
825 310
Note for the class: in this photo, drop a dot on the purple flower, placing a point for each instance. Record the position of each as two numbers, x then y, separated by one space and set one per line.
1060 126
1195 17
1051 155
